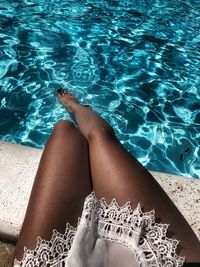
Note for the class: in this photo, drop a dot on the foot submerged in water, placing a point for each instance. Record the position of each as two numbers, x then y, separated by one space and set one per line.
68 100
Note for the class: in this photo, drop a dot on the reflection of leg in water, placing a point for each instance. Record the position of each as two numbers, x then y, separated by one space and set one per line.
117 174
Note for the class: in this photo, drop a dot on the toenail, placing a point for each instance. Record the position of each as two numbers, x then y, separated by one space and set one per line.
59 90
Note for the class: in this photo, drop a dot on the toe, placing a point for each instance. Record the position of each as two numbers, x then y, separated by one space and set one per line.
68 93
59 90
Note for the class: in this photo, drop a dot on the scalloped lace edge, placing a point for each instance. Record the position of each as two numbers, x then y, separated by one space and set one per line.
134 229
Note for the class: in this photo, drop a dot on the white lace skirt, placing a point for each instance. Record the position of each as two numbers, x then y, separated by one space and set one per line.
107 236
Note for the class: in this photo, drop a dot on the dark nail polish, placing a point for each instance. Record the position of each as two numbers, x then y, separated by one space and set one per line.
59 90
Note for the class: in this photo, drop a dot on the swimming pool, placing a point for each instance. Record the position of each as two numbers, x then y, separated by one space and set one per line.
136 62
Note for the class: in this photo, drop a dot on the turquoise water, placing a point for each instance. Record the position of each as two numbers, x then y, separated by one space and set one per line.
136 62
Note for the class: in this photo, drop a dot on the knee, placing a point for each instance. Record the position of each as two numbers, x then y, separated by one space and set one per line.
63 126
99 132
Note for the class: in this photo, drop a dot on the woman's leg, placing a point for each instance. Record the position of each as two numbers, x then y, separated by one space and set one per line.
117 174
62 182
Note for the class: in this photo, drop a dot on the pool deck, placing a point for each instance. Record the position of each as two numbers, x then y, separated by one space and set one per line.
18 165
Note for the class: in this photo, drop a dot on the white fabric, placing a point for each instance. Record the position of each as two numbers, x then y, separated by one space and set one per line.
107 236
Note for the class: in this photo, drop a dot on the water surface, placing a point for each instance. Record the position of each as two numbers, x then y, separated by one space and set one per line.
136 62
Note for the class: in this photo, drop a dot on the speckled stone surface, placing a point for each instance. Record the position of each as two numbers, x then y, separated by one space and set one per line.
18 165
185 193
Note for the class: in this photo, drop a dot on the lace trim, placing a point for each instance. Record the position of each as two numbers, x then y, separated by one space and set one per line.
134 229
49 253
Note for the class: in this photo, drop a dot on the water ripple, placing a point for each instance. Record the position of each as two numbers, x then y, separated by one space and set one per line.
137 62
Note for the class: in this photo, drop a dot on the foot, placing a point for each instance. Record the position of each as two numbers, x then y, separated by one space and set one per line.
68 100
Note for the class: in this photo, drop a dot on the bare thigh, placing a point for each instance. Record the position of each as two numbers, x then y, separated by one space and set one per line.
61 184
117 174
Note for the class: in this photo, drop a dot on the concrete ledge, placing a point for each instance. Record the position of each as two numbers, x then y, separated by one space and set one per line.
18 165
